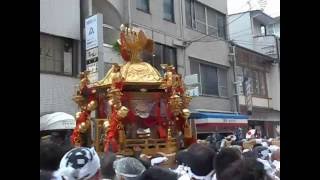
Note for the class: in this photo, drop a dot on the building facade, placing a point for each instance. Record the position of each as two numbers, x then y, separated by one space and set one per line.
257 54
259 70
250 29
189 34
59 54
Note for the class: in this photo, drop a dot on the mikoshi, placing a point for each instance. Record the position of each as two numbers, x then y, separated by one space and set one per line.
134 105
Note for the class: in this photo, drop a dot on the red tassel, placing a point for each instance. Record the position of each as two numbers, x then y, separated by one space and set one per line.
112 134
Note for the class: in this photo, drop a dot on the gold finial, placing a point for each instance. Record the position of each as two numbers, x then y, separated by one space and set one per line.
135 41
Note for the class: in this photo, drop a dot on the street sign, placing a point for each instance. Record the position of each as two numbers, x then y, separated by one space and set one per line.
92 60
91 27
92 53
94 47
93 67
191 79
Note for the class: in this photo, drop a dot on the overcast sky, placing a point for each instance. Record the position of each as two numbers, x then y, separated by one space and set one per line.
272 6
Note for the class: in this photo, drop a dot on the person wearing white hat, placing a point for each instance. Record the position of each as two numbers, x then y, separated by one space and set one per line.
196 163
80 164
57 121
251 134
265 144
128 168
58 126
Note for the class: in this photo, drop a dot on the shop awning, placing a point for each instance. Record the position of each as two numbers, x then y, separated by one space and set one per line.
212 121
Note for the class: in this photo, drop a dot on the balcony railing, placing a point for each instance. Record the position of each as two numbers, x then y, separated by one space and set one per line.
266 45
258 102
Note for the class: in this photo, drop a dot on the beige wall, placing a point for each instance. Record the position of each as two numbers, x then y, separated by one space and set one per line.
60 18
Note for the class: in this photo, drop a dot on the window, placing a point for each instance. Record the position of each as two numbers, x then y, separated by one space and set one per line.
162 55
205 19
255 82
110 34
213 80
209 79
189 13
223 79
168 10
263 30
200 18
257 79
143 5
221 26
262 80
212 22
56 54
239 80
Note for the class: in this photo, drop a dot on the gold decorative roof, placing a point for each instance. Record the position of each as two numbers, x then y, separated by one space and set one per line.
134 71
140 73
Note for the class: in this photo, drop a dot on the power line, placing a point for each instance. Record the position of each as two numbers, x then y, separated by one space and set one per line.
252 43
248 43
194 40
236 18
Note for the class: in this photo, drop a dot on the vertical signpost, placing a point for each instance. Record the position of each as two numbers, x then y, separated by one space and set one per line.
94 47
248 95
94 54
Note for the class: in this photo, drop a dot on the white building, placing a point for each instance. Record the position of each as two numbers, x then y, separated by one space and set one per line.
59 54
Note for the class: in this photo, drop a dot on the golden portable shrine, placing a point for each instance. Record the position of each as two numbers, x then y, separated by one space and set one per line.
133 104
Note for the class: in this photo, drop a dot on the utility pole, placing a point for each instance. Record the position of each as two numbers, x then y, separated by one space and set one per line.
232 55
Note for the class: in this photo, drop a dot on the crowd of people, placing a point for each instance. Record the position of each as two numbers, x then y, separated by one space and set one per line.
200 161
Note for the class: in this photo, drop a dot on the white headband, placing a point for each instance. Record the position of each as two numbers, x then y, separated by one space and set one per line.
186 173
127 175
158 160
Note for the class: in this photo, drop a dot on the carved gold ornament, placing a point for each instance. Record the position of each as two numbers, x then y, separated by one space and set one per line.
123 112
